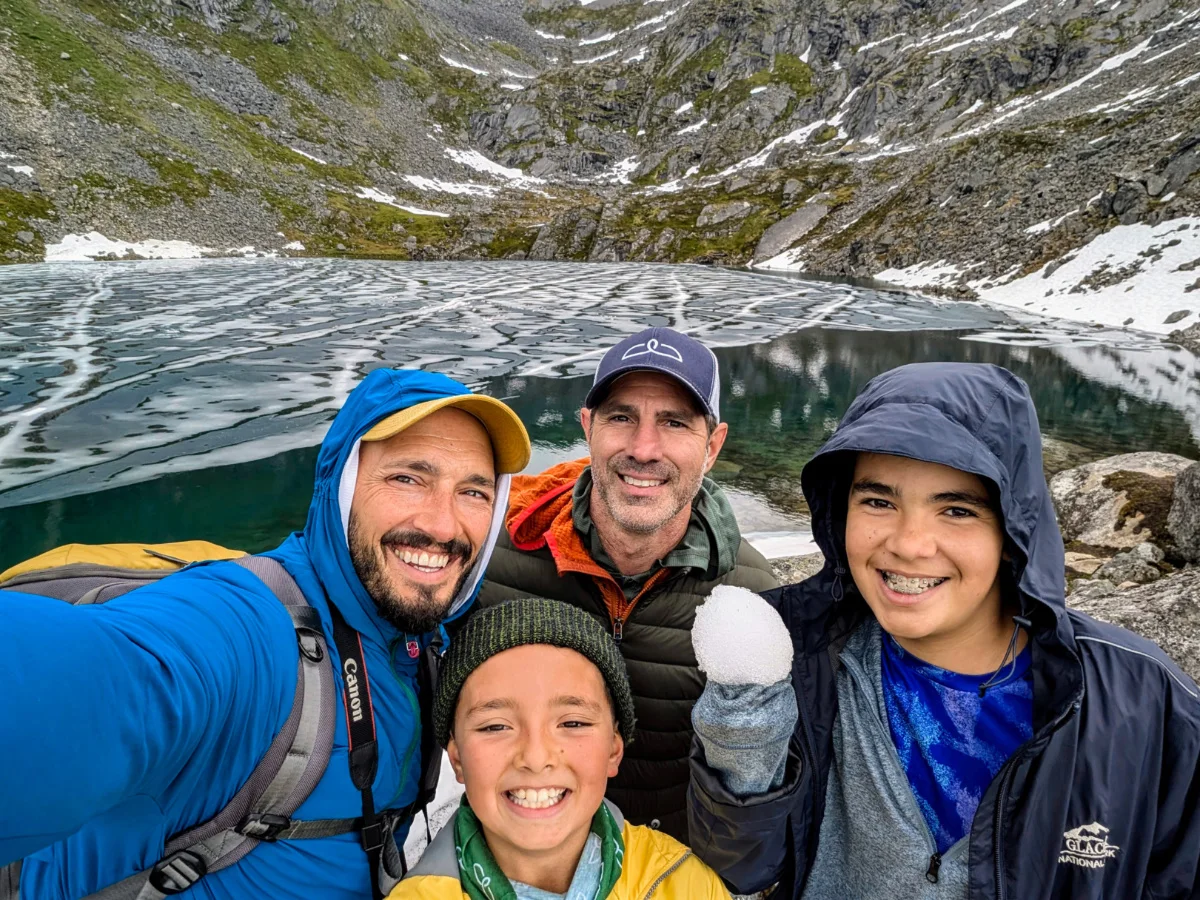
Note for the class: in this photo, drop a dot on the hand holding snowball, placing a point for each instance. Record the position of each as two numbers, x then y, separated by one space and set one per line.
747 712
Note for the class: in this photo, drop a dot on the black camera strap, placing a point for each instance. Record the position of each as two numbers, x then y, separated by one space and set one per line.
360 726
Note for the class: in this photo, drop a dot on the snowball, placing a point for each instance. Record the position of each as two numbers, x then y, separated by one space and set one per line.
740 639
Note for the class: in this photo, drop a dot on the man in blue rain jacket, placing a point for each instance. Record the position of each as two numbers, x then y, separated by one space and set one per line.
1070 768
126 723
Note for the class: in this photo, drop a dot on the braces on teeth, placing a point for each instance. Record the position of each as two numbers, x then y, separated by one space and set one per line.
903 585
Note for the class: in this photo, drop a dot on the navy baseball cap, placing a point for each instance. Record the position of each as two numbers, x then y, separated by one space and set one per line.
662 350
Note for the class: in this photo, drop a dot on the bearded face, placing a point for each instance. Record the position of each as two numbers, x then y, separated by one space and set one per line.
413 607
422 508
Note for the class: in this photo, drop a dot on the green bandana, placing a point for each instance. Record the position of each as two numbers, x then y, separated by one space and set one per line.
481 877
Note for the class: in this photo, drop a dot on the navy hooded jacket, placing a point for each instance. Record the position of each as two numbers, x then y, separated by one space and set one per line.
126 723
1116 724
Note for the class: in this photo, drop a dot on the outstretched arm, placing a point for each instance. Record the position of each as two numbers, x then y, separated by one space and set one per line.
99 704
745 775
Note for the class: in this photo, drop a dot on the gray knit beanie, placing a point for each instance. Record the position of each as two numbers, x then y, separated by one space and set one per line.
531 621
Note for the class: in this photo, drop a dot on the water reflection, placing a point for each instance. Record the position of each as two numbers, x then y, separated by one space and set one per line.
781 399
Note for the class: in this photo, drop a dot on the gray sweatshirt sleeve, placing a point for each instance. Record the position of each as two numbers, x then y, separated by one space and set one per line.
744 730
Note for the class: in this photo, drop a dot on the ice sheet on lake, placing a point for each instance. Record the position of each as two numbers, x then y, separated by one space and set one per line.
114 373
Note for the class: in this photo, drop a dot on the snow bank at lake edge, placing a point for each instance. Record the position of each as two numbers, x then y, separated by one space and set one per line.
1145 277
94 246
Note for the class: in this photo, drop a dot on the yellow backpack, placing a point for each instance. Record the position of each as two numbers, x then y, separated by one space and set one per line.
99 572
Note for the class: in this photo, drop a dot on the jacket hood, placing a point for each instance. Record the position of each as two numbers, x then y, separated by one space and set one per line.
381 393
974 417
537 500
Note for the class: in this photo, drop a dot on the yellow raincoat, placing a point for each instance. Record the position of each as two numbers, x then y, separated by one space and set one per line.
655 866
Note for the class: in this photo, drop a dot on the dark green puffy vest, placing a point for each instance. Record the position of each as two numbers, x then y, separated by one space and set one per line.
651 787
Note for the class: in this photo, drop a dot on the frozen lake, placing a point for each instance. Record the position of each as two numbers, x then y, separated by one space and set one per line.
159 400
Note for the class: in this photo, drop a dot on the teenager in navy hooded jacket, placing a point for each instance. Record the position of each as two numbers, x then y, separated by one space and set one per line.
126 723
1097 792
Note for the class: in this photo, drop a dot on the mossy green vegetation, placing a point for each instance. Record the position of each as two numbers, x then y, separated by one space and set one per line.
785 69
1014 142
1075 29
182 180
99 73
365 228
179 180
695 69
507 50
572 21
115 83
571 99
868 223
19 212
512 239
731 242
825 135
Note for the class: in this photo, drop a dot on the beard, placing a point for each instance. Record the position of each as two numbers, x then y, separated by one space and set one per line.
638 516
419 609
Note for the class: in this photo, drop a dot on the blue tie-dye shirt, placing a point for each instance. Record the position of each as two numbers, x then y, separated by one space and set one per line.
951 741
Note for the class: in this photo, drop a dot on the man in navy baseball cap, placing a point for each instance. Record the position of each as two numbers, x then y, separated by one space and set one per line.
668 351
638 536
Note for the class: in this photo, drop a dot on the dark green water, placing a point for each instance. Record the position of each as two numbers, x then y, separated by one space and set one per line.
781 399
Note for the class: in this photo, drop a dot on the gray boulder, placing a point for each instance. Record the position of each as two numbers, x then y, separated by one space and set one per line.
1083 589
794 569
1183 521
787 231
1118 502
1188 338
1139 565
1166 612
716 213
1083 563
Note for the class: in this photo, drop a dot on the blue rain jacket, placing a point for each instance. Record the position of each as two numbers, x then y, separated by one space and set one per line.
1103 801
124 724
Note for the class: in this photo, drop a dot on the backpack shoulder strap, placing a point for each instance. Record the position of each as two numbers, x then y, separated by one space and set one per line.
283 778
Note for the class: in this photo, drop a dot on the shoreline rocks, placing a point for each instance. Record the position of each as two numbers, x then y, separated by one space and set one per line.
1117 503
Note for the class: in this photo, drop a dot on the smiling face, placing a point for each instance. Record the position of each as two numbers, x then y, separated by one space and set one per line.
421 512
650 449
924 547
535 742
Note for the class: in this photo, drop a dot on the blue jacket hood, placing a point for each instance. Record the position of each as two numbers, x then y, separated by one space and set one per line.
973 417
381 393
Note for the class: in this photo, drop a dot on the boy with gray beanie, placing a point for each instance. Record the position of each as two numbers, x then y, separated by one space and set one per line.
534 710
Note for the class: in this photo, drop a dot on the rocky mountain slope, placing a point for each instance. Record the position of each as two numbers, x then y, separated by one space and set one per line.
968 143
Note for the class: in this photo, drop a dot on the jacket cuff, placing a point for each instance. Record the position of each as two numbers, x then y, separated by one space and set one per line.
746 840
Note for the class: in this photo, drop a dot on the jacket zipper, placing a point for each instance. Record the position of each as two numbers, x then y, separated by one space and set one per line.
935 863
1006 782
663 877
618 625
935 859
413 741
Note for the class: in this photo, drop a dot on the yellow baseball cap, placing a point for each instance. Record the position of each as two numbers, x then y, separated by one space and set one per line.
510 440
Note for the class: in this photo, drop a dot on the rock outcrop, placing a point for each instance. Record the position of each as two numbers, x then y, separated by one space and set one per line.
1118 503
1183 520
1167 612
857 137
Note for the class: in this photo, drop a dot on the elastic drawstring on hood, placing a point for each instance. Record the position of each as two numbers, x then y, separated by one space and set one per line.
382 393
973 417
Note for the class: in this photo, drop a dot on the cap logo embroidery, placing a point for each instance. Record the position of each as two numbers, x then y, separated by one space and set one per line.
655 347
1087 846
